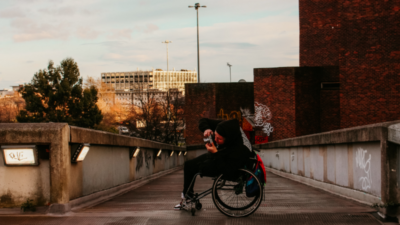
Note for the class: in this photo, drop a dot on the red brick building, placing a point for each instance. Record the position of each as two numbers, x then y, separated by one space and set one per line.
349 72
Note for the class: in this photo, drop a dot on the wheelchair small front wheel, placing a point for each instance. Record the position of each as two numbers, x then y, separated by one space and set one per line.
230 197
198 205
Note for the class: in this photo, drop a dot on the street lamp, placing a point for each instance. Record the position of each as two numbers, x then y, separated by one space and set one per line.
167 42
230 77
197 6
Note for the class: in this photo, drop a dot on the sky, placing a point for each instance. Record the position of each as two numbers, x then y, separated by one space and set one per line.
126 35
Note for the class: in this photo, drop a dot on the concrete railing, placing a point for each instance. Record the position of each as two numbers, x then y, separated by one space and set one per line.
361 163
107 170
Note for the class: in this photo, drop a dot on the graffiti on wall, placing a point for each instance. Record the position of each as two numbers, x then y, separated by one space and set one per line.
268 129
262 116
232 115
365 164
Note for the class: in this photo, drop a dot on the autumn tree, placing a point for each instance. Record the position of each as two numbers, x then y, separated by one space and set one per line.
10 106
173 127
157 115
146 114
55 94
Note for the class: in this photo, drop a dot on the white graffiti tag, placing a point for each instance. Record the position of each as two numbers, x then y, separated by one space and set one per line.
268 129
245 112
262 114
365 164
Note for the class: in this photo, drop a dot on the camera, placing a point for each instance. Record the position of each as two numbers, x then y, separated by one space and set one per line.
208 139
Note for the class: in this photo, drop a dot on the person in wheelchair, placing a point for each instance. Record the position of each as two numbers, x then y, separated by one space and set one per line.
228 152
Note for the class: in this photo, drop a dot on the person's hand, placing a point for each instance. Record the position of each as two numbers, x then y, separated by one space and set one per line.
208 133
211 148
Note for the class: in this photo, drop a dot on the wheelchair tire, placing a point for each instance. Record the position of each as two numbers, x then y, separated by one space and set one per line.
230 196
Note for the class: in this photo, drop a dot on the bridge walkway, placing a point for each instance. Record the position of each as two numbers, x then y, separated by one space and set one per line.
287 202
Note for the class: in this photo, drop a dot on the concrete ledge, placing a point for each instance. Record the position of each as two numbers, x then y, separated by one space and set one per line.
374 132
31 133
333 189
105 195
84 135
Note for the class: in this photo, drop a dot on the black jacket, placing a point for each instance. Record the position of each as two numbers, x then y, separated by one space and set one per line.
236 150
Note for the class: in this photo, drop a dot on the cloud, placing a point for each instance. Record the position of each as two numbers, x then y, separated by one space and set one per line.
239 45
12 13
121 58
87 33
59 11
29 30
108 43
147 29
121 34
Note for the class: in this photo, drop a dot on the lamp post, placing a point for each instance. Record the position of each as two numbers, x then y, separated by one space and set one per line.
197 6
167 42
230 77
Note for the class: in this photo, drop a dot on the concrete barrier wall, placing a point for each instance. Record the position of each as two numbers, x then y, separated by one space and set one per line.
356 166
105 167
56 180
351 162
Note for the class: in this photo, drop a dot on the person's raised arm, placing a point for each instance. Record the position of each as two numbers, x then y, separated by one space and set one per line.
208 126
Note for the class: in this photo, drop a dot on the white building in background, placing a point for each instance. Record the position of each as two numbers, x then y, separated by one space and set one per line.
152 79
3 93
8 93
135 97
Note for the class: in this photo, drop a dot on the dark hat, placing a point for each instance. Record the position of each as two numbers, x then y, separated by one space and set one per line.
229 129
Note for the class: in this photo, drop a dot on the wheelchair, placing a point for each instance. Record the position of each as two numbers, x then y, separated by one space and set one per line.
229 193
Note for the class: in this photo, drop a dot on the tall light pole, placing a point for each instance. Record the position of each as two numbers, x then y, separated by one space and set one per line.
197 6
230 77
167 42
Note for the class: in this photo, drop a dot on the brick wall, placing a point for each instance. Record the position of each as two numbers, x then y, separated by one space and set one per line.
369 62
362 38
214 100
298 104
319 32
199 103
275 88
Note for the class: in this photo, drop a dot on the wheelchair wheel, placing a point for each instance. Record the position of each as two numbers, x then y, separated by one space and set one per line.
229 195
198 205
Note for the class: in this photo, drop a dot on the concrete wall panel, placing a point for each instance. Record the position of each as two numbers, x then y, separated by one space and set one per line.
293 160
366 167
76 179
307 162
300 161
341 160
331 164
356 166
17 184
144 162
105 167
284 159
317 163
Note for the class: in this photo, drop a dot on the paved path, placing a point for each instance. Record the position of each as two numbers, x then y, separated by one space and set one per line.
287 202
